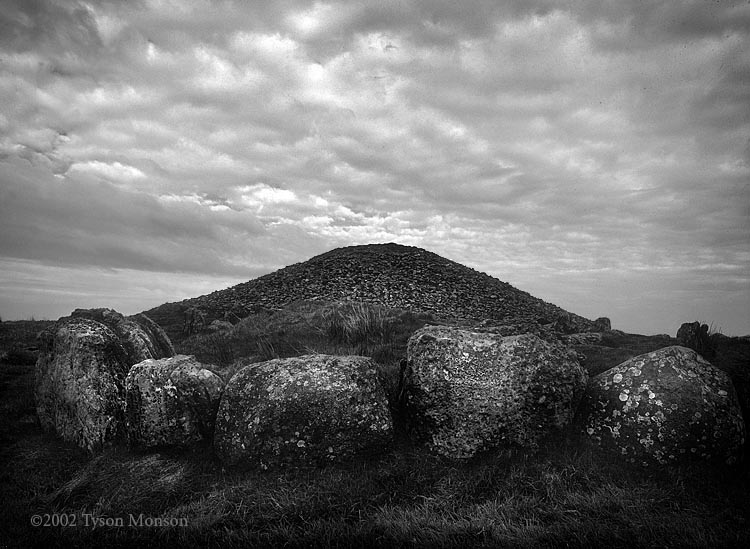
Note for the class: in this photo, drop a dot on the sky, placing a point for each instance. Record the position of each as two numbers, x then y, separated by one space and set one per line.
593 153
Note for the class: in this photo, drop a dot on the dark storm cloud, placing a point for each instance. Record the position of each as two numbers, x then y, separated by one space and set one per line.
64 27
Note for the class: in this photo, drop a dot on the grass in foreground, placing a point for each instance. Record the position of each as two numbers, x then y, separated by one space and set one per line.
566 494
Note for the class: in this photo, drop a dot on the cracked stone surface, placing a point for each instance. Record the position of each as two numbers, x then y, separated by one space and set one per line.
470 391
312 409
171 402
80 374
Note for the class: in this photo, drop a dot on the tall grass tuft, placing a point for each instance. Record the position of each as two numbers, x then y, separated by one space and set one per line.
368 328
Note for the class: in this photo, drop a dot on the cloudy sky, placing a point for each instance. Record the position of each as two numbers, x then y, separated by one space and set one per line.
593 153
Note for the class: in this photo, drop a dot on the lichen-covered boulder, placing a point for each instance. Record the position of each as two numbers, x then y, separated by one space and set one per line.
141 337
468 391
79 382
79 385
171 402
311 409
663 407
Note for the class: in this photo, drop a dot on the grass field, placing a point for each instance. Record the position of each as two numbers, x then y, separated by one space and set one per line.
566 494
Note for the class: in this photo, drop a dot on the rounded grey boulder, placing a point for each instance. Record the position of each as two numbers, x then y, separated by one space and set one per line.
663 407
311 409
171 402
469 391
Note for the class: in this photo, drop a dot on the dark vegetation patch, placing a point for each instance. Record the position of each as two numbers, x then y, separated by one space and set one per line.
308 327
616 347
18 340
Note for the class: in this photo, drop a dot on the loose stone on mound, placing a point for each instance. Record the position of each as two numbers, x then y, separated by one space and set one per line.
667 406
311 409
469 391
80 374
171 402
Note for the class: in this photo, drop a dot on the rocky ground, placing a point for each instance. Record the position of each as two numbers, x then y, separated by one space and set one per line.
393 275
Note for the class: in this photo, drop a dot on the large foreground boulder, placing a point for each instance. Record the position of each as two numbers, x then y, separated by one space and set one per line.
469 391
312 409
171 402
663 407
80 375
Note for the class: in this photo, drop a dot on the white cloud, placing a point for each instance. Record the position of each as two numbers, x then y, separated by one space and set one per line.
114 171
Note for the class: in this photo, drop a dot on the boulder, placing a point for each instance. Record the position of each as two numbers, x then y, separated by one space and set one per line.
80 374
79 382
603 324
141 337
161 345
689 332
663 407
696 336
171 402
311 409
469 391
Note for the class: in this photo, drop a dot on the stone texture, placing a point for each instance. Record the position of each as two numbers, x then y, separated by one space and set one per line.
696 336
160 346
80 374
141 337
689 331
312 409
392 275
171 402
469 391
603 324
663 407
79 382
